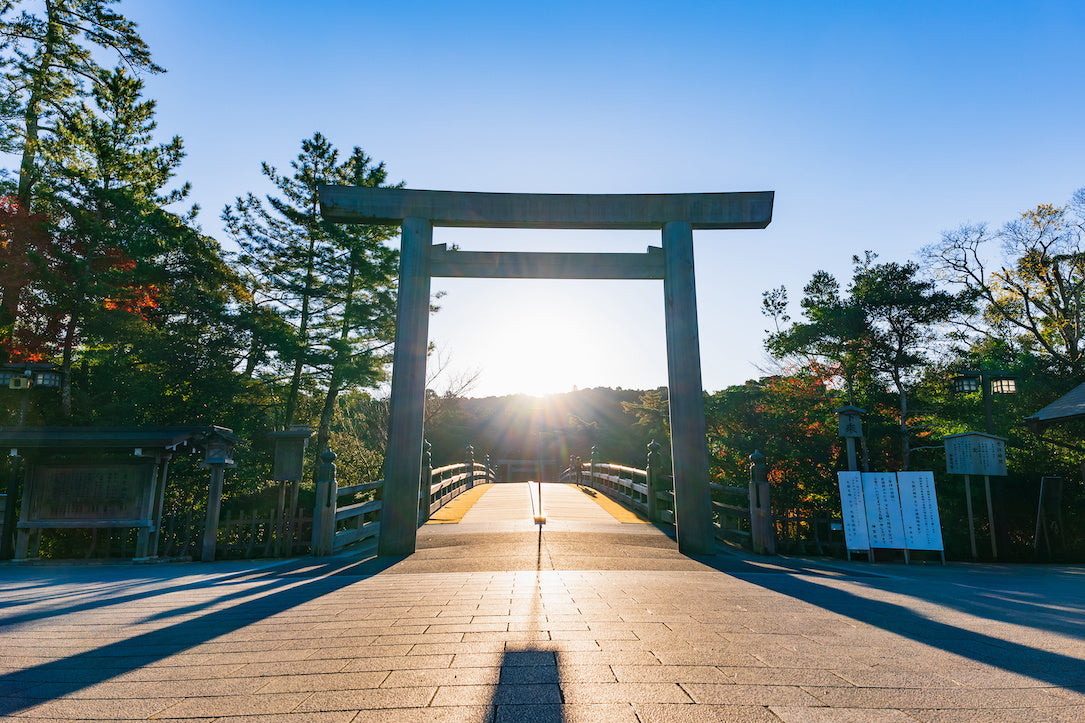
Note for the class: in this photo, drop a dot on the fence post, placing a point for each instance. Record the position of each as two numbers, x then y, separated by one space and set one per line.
425 497
652 471
762 534
591 466
470 450
327 492
489 471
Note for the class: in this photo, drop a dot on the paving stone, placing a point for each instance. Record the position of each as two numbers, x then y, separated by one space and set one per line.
687 713
605 624
369 698
796 714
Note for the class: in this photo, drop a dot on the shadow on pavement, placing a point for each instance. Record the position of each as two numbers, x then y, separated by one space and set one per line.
280 590
1055 668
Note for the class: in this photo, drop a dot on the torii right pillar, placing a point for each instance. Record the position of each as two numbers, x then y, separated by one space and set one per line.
689 451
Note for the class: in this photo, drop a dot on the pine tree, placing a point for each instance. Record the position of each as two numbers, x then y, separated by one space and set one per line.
334 283
49 65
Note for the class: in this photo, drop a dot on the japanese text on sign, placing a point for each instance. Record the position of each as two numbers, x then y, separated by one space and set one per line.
854 513
975 453
919 511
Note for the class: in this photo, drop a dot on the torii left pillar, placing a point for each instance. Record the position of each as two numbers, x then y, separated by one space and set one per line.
399 511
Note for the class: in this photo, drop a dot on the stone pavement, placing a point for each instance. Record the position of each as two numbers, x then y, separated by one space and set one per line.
498 619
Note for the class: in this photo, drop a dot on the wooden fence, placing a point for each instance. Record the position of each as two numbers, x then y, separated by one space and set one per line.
340 518
740 515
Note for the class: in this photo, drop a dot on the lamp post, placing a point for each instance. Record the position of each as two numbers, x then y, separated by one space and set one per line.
987 381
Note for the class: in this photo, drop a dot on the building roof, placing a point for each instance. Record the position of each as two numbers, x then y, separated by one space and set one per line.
110 437
1066 408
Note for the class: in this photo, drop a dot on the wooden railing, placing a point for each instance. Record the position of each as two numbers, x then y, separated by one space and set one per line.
739 514
341 519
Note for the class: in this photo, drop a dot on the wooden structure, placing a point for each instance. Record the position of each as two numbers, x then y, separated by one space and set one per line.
339 519
104 477
741 515
417 212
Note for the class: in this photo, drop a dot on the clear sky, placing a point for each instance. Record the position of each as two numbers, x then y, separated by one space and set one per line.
878 125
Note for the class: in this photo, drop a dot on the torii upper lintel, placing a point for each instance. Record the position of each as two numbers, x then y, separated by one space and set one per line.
352 204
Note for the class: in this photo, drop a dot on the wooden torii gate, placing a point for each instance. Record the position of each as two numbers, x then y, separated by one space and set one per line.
417 212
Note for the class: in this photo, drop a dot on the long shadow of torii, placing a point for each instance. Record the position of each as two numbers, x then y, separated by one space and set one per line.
76 672
1054 668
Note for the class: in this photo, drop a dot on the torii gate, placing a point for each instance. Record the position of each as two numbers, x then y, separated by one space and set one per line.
419 211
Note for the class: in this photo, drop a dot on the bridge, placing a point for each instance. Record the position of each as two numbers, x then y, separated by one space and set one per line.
593 614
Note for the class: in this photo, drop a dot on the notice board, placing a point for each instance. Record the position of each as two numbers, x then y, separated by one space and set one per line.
853 510
95 494
882 503
919 511
975 453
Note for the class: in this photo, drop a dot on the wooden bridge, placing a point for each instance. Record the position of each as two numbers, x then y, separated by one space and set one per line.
588 496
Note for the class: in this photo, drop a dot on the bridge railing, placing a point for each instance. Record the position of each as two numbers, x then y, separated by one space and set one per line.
338 521
739 514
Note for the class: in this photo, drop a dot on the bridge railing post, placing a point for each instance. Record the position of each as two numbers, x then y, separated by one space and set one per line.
425 497
652 475
470 459
327 492
762 532
591 466
490 477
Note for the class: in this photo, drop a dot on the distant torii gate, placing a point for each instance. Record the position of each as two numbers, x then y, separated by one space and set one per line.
419 211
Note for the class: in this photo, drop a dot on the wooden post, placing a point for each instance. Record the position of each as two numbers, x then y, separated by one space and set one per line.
652 474
591 466
469 460
762 534
164 463
971 520
990 516
211 522
425 497
689 453
327 492
403 468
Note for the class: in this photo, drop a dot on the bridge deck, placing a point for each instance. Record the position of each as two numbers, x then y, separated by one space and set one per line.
511 506
497 620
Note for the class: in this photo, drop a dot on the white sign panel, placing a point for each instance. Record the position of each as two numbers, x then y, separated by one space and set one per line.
854 512
884 524
975 453
919 510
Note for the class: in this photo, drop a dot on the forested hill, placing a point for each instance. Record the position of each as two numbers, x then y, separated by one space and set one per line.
513 426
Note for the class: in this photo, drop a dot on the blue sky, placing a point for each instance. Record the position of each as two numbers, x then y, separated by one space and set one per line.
878 125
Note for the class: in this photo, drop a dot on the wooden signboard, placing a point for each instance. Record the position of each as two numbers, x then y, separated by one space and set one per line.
882 503
853 510
919 511
89 495
975 453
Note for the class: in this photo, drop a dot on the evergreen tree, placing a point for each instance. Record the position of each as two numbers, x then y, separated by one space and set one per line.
335 284
49 65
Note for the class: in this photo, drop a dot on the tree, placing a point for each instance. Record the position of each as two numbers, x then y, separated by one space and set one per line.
1032 296
836 334
906 314
50 63
108 226
882 329
335 284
